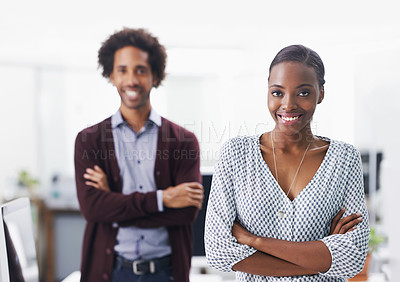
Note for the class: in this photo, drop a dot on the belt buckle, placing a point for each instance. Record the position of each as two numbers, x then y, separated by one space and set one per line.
136 271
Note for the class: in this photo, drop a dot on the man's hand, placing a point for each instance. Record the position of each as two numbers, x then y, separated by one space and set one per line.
346 224
97 178
184 195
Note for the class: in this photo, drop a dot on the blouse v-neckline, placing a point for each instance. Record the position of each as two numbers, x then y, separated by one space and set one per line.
321 166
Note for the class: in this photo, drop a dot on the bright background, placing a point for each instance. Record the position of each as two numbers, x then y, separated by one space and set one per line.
218 58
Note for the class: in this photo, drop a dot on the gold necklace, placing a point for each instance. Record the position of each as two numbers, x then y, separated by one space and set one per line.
281 213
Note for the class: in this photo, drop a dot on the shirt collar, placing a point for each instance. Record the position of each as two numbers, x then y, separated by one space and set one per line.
155 117
117 119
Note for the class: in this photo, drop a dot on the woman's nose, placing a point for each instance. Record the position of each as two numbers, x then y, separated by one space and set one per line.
288 103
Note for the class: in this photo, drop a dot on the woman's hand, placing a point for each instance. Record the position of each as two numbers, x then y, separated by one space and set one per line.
97 178
242 235
346 224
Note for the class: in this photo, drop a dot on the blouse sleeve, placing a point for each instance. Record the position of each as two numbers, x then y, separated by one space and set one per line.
350 250
222 249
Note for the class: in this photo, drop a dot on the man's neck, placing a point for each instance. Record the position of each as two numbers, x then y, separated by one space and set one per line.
136 118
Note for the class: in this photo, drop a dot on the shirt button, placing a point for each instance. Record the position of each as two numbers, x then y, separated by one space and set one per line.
138 162
157 172
108 251
115 225
105 276
281 214
142 237
141 187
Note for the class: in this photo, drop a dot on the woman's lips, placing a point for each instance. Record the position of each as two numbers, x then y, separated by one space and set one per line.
289 118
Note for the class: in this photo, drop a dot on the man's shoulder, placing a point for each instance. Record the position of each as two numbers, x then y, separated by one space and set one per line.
167 124
173 130
95 131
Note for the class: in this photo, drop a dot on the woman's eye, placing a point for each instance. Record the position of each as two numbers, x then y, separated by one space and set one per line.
276 93
304 93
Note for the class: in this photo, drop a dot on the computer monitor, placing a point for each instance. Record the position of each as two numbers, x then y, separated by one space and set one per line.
4 276
18 260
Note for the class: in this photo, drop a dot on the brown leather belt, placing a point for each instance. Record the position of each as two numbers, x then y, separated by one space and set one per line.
143 267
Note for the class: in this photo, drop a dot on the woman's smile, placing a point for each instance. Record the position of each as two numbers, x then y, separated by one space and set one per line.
289 118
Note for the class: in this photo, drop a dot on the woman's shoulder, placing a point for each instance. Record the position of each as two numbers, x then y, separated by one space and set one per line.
239 146
242 142
339 147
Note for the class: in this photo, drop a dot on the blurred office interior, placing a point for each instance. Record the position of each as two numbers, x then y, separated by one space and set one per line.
218 58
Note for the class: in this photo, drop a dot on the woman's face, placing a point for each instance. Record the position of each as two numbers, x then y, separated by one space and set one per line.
293 94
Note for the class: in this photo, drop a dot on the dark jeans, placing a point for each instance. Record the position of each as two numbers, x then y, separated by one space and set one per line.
121 274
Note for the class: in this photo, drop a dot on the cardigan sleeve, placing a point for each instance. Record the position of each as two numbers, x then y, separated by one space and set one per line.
349 250
222 249
186 168
102 206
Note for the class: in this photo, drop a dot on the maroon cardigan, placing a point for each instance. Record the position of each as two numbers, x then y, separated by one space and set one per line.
177 161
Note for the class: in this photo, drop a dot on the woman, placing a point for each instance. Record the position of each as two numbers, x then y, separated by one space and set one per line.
276 199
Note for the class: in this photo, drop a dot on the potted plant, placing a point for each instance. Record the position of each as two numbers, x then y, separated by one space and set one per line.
26 181
374 241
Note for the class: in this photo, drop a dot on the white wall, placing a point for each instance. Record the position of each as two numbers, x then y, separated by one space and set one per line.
377 92
377 89
19 147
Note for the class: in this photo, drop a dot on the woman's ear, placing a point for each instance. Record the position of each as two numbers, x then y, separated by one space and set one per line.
321 95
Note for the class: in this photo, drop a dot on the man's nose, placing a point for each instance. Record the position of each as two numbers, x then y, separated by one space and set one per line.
132 79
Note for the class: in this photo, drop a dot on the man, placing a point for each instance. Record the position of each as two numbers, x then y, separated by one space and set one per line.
137 175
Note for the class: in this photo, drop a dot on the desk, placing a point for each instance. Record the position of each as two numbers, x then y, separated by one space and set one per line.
76 275
376 277
73 277
64 228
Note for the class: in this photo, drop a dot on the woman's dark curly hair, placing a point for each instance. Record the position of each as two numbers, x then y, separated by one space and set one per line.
302 54
139 38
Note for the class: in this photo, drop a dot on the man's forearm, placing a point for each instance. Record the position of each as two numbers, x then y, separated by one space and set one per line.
260 263
169 217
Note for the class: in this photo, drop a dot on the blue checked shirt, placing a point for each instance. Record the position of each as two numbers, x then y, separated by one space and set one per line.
243 187
136 154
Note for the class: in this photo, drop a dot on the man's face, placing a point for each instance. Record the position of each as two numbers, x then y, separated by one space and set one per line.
133 78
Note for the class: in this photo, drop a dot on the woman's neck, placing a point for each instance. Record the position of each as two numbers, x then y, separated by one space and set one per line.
291 142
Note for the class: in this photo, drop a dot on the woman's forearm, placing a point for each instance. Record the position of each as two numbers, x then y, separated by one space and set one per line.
313 255
260 263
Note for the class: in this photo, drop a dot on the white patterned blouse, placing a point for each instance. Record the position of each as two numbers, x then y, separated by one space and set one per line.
244 188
